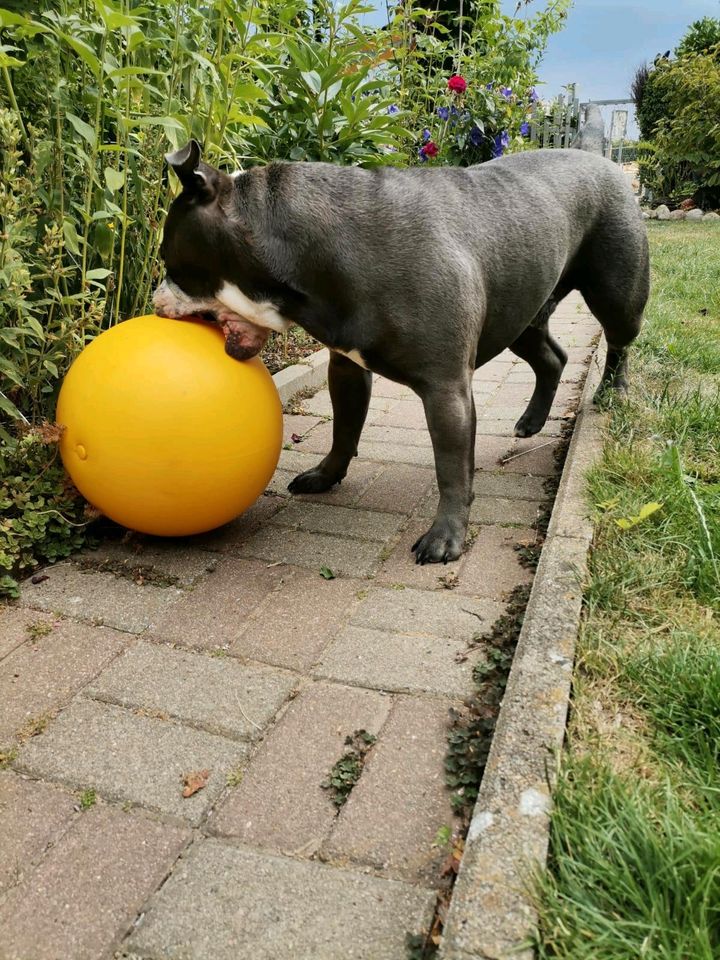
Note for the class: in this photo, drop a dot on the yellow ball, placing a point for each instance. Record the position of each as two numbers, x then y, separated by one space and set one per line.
165 433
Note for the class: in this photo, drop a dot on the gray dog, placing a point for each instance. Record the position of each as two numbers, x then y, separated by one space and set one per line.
421 275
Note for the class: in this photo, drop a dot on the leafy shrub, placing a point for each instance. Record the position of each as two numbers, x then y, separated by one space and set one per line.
702 37
685 158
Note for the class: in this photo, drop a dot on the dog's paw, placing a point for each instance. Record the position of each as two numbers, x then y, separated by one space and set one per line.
528 426
441 544
313 481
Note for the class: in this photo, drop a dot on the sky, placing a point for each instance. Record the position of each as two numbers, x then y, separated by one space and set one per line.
604 41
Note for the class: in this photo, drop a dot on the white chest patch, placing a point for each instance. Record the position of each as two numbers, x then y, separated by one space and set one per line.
355 356
261 314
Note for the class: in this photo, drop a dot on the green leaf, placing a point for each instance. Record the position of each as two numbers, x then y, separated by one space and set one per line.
250 91
84 129
313 80
7 61
326 573
99 273
115 179
85 52
72 240
49 365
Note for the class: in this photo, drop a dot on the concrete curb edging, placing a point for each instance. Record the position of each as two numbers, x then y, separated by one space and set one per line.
308 374
491 916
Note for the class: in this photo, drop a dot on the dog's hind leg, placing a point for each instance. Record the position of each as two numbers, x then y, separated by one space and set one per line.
450 412
350 387
616 287
547 359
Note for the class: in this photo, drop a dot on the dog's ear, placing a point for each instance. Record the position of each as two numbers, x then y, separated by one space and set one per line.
186 164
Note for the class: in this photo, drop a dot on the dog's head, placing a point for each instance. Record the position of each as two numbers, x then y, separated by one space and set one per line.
211 271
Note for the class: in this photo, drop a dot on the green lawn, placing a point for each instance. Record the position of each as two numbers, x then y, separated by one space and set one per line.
634 870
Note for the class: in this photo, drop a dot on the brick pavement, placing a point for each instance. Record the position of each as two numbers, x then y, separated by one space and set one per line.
135 665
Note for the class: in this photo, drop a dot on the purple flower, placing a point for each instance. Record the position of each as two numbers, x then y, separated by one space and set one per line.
532 96
393 109
421 155
443 113
506 92
489 86
500 143
426 135
476 137
525 129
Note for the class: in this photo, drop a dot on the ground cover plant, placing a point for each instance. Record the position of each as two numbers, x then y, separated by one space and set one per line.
94 92
635 852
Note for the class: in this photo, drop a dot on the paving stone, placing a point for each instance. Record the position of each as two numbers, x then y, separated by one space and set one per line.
491 373
33 815
489 425
408 414
278 486
489 451
294 624
492 567
574 372
100 597
400 568
280 803
216 693
345 521
522 373
298 425
538 457
320 405
578 354
388 388
404 777
177 560
398 662
297 461
388 434
437 613
510 485
42 675
211 617
504 511
125 756
89 888
349 558
17 626
346 493
266 908
226 539
397 489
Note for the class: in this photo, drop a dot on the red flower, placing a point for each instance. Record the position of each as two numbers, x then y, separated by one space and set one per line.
429 150
457 84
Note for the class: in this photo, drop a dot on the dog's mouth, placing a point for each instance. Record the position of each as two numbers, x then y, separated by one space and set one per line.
242 338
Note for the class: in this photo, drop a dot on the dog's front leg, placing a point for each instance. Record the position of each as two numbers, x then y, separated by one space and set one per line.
350 387
450 412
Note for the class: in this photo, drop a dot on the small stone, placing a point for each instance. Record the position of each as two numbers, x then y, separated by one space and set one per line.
694 214
711 215
663 212
650 214
676 215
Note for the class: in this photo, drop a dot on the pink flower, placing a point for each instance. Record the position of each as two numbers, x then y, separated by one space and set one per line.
430 150
457 84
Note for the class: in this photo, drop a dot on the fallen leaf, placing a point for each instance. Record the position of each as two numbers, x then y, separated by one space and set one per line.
41 578
194 781
326 573
296 438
